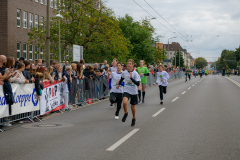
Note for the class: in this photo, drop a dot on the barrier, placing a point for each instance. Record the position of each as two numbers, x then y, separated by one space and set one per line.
26 103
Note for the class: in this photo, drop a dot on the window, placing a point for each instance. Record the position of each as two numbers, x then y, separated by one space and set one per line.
36 52
18 50
41 53
25 50
41 1
30 51
36 22
51 3
24 19
41 23
18 18
55 4
30 20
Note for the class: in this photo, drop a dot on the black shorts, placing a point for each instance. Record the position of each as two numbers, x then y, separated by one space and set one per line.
134 98
116 97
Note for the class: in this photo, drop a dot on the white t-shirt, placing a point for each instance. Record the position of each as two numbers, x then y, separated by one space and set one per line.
65 86
162 76
113 69
129 86
114 82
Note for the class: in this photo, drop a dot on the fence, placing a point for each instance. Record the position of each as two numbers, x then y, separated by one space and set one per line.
83 92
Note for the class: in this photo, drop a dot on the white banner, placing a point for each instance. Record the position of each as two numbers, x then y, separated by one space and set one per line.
26 100
51 99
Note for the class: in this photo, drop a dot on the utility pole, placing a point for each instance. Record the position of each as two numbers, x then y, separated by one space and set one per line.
48 35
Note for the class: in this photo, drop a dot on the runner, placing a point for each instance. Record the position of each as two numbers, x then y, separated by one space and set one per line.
132 80
116 94
113 69
162 81
114 65
200 72
143 72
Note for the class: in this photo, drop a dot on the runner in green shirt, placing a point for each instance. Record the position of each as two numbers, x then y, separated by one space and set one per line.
143 72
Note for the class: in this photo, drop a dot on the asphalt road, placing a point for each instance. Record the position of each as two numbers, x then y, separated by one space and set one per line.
197 123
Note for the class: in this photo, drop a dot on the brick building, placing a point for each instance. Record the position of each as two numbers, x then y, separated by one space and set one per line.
17 18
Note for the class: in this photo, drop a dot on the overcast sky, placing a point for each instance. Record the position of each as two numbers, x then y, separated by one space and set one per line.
209 25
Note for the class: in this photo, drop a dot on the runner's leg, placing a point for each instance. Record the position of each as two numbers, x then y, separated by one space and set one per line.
143 91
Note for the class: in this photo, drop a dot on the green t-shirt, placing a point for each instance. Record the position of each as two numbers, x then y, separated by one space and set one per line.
145 71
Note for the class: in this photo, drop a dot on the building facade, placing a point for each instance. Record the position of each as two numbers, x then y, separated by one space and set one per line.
171 50
17 19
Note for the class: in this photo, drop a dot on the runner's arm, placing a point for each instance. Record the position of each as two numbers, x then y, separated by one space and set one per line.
121 80
110 83
135 82
146 74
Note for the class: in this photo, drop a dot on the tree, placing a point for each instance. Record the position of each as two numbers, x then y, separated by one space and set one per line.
177 59
201 62
237 53
140 35
97 30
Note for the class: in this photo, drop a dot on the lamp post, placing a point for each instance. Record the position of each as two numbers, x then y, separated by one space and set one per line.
168 50
59 56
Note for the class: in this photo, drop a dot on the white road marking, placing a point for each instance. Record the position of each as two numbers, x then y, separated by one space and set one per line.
175 99
193 85
189 88
118 143
160 111
184 92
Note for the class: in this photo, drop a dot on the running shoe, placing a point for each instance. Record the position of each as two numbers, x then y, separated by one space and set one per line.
116 117
124 117
143 101
133 122
161 102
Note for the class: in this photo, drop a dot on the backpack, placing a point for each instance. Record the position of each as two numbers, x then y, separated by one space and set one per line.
7 89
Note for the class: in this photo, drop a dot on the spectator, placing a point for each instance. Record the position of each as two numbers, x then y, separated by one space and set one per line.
87 71
60 71
67 73
3 61
10 64
74 71
26 72
32 70
55 65
38 84
80 71
104 64
82 62
65 92
48 74
96 66
66 64
21 60
20 78
39 64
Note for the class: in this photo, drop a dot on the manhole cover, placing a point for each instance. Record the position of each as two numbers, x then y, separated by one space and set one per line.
47 125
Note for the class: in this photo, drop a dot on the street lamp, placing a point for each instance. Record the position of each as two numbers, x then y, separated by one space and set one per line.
59 56
168 50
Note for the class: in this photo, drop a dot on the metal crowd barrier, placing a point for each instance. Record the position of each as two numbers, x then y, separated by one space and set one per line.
152 78
88 90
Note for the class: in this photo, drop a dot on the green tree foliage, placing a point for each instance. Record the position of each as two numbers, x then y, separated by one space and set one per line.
177 59
237 53
140 35
227 55
83 23
201 62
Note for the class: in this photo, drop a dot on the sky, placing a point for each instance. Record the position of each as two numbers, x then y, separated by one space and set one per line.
203 27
